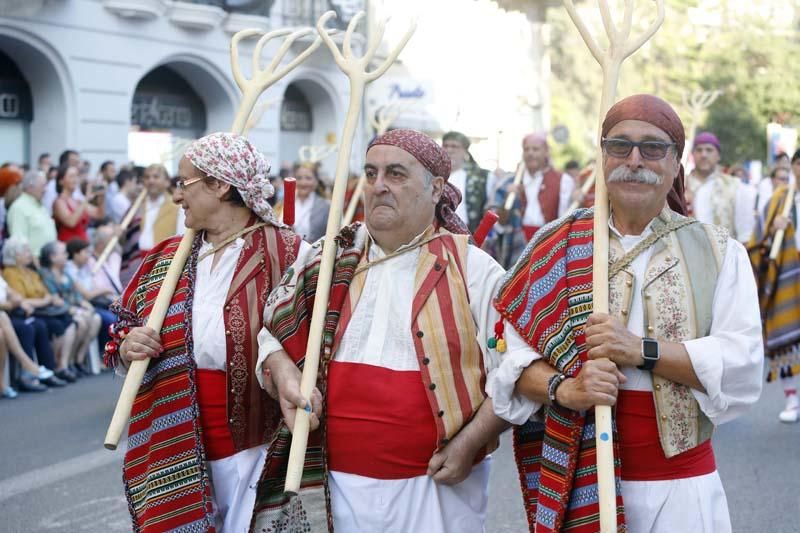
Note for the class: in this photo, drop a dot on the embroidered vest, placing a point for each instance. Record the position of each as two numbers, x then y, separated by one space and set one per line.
548 197
723 198
678 292
445 334
475 194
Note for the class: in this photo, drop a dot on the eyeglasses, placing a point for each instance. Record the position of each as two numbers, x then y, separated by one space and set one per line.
622 148
182 184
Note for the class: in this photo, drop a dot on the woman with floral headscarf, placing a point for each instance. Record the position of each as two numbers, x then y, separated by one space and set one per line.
196 442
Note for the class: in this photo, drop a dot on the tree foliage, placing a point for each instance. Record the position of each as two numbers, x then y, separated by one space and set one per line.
750 58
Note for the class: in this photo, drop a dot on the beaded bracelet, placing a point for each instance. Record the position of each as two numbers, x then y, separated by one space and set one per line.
552 386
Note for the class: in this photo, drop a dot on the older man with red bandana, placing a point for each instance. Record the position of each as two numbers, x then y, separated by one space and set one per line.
408 426
679 352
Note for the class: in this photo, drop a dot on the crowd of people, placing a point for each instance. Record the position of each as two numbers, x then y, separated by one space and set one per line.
432 346
57 220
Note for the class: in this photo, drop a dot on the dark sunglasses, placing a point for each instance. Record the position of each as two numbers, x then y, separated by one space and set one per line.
621 148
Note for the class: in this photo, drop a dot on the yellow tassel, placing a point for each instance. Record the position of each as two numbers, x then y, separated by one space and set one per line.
501 345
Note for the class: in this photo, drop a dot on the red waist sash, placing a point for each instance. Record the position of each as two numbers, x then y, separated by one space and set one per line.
379 422
640 448
530 231
212 401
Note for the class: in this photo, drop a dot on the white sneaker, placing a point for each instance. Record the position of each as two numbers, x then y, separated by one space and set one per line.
790 414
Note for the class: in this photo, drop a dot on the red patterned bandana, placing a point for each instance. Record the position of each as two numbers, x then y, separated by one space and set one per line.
655 111
434 158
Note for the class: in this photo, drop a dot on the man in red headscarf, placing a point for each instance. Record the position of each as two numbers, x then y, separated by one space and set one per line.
407 423
679 352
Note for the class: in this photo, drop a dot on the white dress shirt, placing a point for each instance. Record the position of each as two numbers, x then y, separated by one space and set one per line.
743 209
234 478
458 179
302 215
533 211
379 333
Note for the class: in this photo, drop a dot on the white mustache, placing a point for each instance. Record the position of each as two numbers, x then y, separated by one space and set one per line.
623 174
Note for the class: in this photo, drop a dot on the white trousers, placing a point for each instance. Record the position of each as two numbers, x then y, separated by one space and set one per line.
367 505
695 504
234 481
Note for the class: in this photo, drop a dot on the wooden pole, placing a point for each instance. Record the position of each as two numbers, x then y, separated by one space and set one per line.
587 185
610 60
122 227
517 182
356 70
696 103
777 241
251 90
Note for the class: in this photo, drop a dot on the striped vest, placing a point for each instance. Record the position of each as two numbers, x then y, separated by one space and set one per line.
444 332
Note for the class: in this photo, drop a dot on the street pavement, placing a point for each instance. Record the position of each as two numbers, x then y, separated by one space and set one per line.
55 475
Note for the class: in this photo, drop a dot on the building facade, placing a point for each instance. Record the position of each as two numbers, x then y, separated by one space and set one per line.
129 80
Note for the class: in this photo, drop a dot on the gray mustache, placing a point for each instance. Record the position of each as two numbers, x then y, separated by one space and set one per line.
623 174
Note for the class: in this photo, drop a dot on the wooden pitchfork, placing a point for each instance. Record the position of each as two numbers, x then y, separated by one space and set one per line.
610 60
696 103
356 70
251 90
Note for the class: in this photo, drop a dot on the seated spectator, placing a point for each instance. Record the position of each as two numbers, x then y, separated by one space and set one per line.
79 268
73 216
28 218
52 262
24 280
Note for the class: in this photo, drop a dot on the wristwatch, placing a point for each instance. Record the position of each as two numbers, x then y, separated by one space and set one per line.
650 353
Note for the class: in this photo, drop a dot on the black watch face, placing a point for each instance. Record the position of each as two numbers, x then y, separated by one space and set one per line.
650 349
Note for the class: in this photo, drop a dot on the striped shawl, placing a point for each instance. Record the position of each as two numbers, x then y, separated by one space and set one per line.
166 480
547 298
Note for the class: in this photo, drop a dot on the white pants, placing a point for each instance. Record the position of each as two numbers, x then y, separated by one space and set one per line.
234 481
367 505
695 504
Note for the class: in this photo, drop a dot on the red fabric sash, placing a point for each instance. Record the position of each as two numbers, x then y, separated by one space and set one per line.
379 422
211 400
640 449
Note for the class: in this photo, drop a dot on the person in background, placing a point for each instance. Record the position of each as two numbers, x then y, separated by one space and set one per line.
573 168
52 261
471 180
73 216
44 162
311 209
127 190
28 217
79 268
21 275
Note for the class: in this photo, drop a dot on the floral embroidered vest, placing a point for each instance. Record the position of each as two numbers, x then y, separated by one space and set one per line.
677 294
723 196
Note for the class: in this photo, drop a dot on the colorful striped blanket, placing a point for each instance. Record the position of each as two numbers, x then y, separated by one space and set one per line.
779 292
547 298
